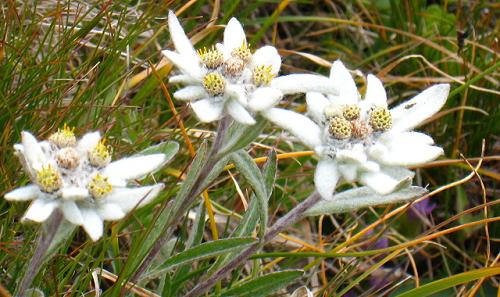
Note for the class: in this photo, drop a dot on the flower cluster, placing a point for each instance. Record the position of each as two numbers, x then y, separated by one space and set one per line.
78 178
359 140
363 140
229 79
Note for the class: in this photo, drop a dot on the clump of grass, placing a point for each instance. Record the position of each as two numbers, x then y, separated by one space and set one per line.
97 65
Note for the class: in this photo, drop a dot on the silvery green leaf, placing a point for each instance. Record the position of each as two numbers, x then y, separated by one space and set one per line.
192 175
264 285
196 234
169 148
204 251
363 197
165 253
215 171
168 248
269 172
252 174
239 135
194 238
250 218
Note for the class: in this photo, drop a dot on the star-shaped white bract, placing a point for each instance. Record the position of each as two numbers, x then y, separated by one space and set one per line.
78 178
228 79
362 140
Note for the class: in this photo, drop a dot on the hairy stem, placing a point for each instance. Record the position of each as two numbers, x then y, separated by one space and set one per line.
212 159
290 218
47 233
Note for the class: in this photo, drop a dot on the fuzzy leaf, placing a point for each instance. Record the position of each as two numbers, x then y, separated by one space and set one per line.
249 220
203 251
169 148
264 285
195 237
363 197
251 217
252 174
239 135
215 171
196 234
193 173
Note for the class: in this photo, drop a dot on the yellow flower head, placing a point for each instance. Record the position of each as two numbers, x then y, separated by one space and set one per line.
214 83
243 52
48 179
99 186
63 137
212 58
262 75
340 128
351 112
100 155
380 119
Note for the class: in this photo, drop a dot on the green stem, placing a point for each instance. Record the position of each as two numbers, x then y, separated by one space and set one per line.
47 234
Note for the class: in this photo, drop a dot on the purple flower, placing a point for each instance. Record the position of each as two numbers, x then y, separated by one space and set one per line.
381 243
351 293
424 208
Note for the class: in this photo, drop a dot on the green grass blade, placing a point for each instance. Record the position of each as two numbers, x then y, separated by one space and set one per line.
451 281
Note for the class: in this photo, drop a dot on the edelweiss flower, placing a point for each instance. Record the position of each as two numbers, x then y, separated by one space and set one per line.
229 79
362 140
79 179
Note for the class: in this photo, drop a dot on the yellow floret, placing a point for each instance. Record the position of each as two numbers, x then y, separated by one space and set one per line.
380 119
100 155
99 186
48 179
351 112
262 75
340 128
63 137
214 83
212 58
243 52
